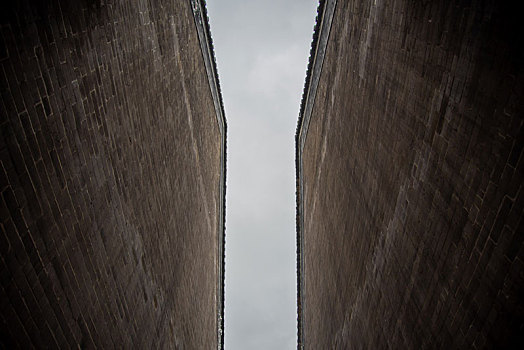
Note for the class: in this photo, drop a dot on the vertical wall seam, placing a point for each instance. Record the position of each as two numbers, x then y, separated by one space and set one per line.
326 10
204 35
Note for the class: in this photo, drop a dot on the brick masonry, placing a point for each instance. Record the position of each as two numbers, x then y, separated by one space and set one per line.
410 197
111 175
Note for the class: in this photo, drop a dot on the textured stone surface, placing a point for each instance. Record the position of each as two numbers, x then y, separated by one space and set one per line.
110 165
412 179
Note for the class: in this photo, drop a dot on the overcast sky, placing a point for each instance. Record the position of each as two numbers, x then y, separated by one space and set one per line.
262 49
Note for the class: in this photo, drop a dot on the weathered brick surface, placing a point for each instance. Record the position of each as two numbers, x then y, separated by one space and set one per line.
110 174
412 179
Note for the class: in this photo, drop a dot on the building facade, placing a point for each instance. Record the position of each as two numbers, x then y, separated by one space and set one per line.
409 177
112 176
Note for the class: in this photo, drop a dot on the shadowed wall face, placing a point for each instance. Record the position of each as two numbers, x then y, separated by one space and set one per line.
412 179
110 166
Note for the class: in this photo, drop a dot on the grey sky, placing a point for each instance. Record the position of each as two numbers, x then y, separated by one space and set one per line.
262 48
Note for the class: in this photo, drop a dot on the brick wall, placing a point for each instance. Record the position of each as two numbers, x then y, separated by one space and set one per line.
110 176
410 179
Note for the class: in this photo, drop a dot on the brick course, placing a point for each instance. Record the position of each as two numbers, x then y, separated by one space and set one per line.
411 230
110 177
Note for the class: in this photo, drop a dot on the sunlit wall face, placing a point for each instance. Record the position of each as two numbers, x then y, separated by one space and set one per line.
262 49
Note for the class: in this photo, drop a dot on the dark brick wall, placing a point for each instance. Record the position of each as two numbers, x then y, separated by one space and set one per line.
110 175
412 179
